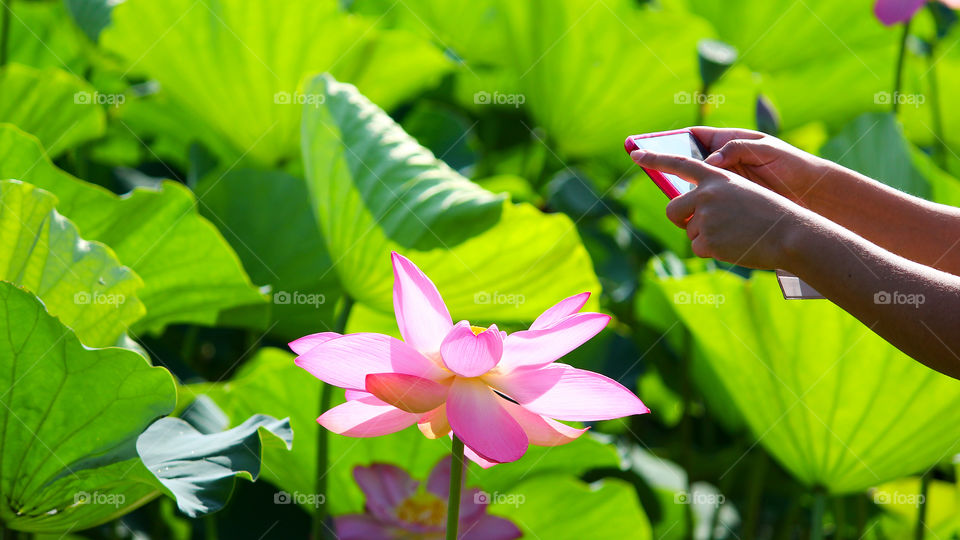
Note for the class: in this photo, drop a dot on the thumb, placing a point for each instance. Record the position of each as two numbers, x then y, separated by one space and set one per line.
716 159
739 152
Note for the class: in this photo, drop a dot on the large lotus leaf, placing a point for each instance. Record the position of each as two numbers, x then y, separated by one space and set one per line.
589 72
203 53
58 108
271 384
70 419
267 218
189 271
874 145
655 310
593 73
475 32
200 469
40 36
542 508
374 189
846 56
82 283
832 401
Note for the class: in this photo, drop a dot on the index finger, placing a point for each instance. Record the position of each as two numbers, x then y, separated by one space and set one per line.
691 170
714 138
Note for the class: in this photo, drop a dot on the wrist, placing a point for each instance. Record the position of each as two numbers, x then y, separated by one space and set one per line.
798 232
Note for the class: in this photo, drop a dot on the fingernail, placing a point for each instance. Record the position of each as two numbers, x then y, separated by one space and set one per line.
638 155
714 158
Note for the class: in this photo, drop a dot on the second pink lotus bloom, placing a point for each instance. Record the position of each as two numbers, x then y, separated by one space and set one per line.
497 392
891 12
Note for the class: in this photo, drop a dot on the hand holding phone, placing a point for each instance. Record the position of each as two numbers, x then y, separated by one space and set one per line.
683 142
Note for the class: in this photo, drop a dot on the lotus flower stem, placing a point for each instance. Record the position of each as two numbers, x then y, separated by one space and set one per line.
940 148
321 529
816 519
453 499
900 58
921 527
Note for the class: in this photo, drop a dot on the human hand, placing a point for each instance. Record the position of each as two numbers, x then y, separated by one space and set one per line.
727 217
767 161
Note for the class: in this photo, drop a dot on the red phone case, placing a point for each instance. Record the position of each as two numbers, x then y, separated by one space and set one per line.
658 178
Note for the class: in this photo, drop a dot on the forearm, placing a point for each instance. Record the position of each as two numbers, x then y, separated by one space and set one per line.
924 232
850 271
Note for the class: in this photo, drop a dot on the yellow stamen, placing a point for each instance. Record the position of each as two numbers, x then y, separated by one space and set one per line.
423 508
477 329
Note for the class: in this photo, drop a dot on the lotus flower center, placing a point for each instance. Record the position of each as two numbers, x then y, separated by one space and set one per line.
477 329
423 509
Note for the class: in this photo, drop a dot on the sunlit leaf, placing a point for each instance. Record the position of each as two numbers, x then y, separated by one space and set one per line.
873 144
833 402
243 83
374 190
80 282
846 54
71 416
189 271
58 108
544 511
42 37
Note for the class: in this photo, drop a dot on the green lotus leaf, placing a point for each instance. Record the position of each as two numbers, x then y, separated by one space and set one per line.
190 273
268 219
846 54
374 189
543 508
70 417
833 402
243 83
42 37
82 283
58 108
199 469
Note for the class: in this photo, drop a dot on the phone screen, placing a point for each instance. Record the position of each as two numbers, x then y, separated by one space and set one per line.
678 144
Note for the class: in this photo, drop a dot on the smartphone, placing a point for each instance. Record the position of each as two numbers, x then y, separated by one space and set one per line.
680 142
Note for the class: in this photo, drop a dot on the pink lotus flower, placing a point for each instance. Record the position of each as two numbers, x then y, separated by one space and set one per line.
397 508
498 393
891 12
